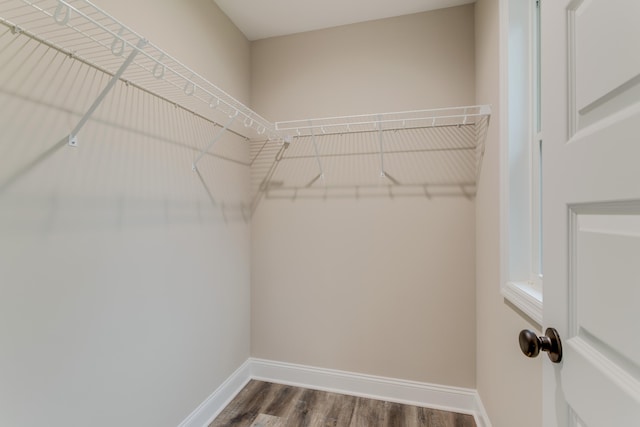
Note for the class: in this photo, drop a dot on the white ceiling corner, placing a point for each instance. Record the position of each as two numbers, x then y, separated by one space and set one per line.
259 19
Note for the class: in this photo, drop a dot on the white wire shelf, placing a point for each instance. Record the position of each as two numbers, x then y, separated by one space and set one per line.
87 33
378 125
454 116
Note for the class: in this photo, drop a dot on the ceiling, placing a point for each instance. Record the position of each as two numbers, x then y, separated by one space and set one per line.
259 19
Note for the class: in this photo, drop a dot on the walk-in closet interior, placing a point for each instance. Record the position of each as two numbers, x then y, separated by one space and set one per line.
183 209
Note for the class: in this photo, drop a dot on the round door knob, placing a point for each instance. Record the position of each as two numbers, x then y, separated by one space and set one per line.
531 344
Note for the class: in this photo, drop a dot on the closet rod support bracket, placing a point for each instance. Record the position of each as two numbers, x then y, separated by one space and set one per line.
73 136
194 165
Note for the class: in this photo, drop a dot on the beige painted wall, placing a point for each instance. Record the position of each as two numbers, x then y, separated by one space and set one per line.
382 285
510 385
395 64
124 283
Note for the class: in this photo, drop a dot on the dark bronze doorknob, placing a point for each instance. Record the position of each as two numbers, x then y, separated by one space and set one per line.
531 344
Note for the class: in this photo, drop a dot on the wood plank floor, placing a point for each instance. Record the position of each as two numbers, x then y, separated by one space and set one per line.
262 404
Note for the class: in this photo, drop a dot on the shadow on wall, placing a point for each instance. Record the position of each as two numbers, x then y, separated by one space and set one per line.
123 272
441 161
133 163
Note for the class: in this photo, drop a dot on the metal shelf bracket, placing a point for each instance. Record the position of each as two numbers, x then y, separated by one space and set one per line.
194 165
73 136
315 149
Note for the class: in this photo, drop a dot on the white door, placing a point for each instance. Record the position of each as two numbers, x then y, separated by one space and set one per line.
591 210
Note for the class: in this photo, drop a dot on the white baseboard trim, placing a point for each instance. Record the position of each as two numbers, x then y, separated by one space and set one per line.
482 419
456 399
214 404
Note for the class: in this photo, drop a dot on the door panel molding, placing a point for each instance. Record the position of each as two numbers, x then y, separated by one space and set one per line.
607 382
595 89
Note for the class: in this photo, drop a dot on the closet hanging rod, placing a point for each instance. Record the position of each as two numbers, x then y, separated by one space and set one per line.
90 34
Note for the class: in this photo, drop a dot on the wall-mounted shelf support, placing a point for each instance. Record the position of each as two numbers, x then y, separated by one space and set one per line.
117 48
215 139
381 143
317 153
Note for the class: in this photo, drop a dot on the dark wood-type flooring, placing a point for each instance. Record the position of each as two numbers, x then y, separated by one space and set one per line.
262 404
